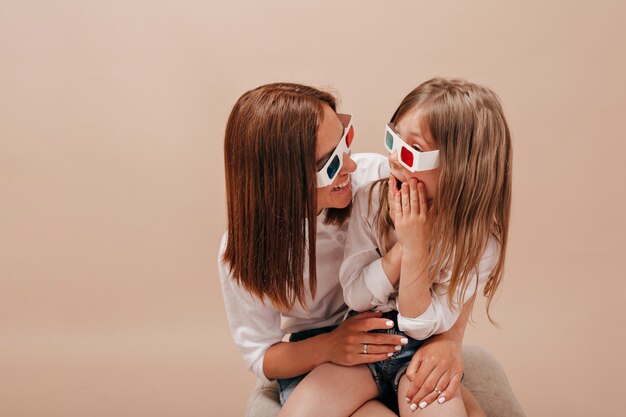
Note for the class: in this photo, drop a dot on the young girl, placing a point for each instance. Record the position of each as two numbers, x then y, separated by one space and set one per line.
423 242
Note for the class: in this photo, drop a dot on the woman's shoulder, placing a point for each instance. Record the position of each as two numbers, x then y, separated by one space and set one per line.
367 200
222 266
370 167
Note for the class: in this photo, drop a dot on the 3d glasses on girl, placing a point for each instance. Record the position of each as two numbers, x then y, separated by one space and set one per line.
327 174
410 158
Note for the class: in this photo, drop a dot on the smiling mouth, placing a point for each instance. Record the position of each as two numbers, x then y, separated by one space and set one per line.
342 184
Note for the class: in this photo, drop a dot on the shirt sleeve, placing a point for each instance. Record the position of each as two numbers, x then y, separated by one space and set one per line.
254 326
439 317
365 285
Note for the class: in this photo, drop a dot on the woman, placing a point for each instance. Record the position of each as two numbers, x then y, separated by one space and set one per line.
289 184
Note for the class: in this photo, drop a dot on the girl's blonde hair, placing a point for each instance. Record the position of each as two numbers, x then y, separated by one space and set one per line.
473 201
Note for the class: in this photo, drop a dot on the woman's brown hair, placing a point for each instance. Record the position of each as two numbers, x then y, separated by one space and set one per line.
269 158
473 200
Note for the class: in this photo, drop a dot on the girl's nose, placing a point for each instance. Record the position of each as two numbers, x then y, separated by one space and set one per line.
393 159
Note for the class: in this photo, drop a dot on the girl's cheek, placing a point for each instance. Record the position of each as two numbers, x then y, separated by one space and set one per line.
430 180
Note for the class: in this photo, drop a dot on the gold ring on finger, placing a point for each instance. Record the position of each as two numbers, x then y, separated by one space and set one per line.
437 391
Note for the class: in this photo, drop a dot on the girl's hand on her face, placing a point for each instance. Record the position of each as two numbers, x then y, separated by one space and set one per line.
411 217
347 341
436 366
392 189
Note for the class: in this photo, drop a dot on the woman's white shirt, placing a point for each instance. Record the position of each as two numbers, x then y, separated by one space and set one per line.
257 325
366 286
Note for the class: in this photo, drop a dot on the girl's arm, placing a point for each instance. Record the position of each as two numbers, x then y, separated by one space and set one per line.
423 311
440 315
366 278
391 261
413 230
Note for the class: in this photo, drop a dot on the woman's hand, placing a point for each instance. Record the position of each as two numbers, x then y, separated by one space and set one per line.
437 365
351 344
411 217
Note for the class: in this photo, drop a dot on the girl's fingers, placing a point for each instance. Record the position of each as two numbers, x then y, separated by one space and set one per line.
393 185
415 207
422 199
406 202
398 204
391 192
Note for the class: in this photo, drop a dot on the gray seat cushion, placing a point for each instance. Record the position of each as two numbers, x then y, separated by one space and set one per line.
484 377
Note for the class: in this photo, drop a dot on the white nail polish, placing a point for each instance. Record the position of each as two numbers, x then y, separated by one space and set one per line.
423 404
389 323
390 354
404 340
398 347
413 407
407 399
441 400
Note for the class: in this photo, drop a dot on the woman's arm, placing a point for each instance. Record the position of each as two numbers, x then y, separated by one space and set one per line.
256 331
254 325
343 346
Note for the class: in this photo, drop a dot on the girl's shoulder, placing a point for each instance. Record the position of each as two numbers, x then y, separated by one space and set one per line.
492 249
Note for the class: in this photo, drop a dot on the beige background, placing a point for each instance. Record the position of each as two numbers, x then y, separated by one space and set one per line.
111 186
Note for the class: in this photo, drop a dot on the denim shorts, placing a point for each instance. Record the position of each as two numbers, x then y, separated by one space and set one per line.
387 373
288 385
